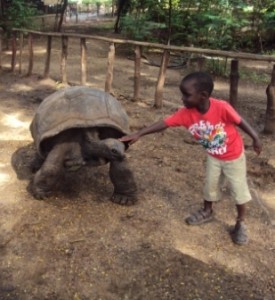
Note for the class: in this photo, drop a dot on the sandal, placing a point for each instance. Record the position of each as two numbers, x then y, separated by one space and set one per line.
199 217
239 234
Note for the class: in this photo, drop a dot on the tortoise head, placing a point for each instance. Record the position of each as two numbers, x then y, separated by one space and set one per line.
114 149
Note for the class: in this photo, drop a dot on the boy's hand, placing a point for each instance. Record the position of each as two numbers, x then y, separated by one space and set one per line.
257 145
131 138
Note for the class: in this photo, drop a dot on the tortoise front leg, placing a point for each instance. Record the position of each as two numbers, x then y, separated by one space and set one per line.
125 189
26 162
49 174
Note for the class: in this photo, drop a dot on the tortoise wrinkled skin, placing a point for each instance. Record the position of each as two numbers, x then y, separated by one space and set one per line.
79 127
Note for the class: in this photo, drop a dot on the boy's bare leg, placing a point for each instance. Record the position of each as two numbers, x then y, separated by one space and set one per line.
207 206
241 212
239 235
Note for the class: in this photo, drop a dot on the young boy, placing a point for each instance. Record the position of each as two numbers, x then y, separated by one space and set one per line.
213 124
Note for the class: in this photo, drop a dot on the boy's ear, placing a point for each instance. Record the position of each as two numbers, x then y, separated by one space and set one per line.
205 94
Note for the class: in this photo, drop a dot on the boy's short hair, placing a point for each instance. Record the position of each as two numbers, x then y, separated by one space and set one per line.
203 82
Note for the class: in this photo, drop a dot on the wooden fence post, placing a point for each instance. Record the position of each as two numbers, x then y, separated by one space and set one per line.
48 57
30 44
83 47
64 55
137 73
110 68
161 79
14 50
234 81
1 46
201 63
270 108
21 45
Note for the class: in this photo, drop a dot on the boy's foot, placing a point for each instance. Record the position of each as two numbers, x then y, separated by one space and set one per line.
199 217
239 234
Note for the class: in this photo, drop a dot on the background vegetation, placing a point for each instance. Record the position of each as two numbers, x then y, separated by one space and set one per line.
218 24
16 13
237 25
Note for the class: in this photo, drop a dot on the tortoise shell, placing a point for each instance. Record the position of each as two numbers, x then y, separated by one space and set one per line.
77 107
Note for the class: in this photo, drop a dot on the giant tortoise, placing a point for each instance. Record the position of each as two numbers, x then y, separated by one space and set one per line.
80 126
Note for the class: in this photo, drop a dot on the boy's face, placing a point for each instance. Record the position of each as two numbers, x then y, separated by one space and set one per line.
191 98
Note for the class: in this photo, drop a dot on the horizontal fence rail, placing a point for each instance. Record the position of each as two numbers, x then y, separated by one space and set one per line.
210 52
137 49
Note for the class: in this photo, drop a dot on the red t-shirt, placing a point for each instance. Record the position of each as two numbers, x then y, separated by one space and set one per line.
215 130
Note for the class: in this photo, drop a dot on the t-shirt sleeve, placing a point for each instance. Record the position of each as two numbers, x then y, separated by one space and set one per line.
231 114
177 119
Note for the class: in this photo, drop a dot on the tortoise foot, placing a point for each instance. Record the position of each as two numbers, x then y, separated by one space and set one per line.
38 193
124 199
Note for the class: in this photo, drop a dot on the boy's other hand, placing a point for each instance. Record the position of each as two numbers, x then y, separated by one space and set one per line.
257 145
131 138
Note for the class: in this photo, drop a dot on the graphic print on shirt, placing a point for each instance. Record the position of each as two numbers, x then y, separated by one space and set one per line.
212 137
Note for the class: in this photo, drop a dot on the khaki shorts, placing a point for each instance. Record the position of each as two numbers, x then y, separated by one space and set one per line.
235 173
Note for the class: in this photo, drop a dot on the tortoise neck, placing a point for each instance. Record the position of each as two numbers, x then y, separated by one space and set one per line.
96 148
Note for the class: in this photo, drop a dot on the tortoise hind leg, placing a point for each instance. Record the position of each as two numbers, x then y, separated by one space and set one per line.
125 189
26 162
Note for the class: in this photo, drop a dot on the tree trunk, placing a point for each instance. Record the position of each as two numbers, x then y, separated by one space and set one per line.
234 81
3 8
98 4
63 10
121 10
113 8
270 108
169 22
55 26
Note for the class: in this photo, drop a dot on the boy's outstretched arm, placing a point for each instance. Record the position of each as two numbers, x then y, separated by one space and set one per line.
156 127
257 145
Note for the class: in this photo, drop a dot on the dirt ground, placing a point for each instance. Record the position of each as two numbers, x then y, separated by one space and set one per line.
78 245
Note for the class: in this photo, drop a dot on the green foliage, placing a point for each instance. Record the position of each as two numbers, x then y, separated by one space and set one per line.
218 24
95 2
269 19
215 30
18 14
139 28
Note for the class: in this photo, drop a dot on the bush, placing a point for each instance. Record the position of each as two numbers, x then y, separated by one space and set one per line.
139 28
18 14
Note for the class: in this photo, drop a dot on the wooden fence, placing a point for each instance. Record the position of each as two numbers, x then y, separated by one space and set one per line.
234 73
